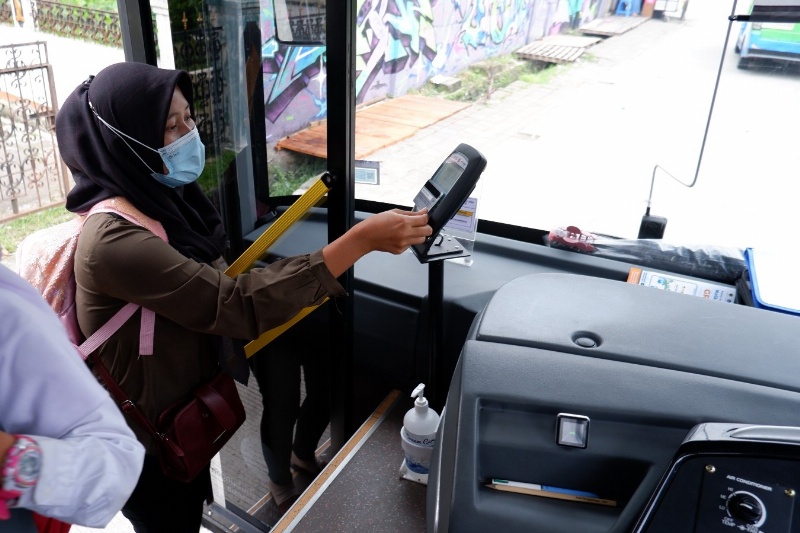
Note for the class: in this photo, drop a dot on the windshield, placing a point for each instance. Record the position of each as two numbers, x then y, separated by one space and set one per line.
591 119
578 143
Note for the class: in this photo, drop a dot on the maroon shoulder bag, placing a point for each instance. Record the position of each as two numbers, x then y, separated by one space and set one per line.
190 432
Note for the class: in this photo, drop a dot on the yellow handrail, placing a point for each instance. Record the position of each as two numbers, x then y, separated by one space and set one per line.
307 200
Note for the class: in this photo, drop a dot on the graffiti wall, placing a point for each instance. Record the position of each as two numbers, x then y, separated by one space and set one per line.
401 44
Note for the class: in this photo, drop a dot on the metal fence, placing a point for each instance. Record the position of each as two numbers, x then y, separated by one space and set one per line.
308 28
77 22
32 175
201 53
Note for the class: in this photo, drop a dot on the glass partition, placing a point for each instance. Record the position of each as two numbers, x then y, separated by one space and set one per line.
253 88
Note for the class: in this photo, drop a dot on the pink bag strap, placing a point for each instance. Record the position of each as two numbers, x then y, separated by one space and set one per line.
122 207
147 331
109 328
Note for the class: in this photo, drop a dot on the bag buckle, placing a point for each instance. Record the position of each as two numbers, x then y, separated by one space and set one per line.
127 406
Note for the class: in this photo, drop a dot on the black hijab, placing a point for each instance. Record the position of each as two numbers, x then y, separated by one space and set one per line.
134 98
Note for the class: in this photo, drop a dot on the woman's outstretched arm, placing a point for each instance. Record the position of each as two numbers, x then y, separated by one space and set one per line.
391 231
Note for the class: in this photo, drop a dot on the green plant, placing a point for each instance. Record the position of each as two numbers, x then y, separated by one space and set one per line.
287 178
482 79
214 169
544 75
12 233
102 5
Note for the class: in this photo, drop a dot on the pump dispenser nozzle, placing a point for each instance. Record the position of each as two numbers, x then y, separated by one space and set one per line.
421 401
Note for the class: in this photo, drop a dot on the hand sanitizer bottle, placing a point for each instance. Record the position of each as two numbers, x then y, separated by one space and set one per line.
418 434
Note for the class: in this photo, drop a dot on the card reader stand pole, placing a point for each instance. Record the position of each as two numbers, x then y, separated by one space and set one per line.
442 247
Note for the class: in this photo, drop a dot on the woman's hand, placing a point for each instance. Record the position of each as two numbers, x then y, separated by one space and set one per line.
6 441
394 231
391 231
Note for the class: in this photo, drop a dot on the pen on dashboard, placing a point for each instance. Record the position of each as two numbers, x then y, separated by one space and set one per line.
546 488
548 491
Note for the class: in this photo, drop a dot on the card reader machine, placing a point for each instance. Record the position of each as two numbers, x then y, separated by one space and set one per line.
444 194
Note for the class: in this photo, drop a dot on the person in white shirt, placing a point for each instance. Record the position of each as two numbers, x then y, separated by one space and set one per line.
66 451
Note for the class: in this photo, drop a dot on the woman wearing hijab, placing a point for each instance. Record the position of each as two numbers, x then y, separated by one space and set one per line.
129 132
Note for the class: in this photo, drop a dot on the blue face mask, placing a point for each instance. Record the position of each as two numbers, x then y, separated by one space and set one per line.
184 158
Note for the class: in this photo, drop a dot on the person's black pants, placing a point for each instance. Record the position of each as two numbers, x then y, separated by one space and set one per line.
277 371
163 505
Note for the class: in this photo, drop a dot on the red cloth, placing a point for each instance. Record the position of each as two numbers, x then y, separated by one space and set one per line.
50 525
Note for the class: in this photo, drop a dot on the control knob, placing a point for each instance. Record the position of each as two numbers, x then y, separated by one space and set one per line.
745 507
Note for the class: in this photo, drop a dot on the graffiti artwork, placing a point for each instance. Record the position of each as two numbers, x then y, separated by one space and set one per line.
401 44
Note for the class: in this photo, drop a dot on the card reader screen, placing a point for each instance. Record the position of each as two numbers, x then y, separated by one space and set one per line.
449 172
443 195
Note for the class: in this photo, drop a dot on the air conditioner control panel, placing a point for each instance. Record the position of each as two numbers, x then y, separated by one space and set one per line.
721 481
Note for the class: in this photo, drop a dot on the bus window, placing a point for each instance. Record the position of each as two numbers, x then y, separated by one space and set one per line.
587 136
779 41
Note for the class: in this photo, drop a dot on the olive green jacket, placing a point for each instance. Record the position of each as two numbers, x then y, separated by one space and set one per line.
118 262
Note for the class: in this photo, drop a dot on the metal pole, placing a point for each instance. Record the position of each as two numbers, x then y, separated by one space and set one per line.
435 325
340 19
136 26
